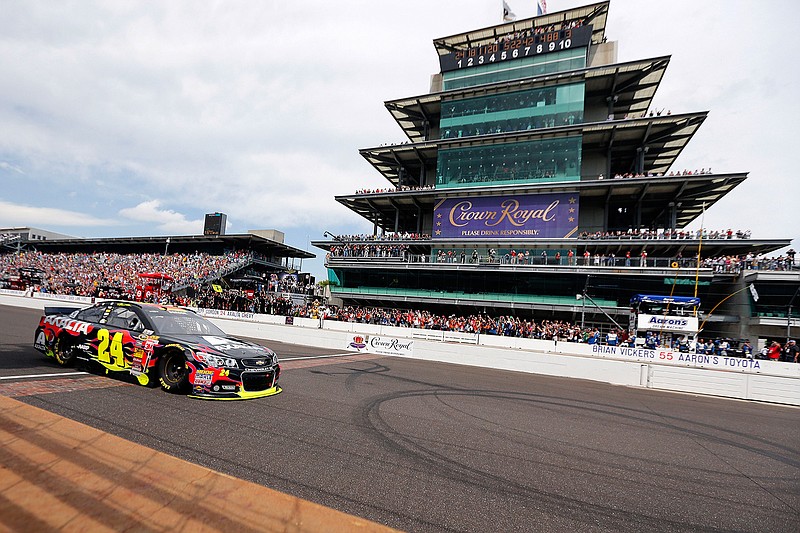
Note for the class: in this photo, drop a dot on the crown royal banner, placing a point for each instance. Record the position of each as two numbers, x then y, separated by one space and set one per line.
533 216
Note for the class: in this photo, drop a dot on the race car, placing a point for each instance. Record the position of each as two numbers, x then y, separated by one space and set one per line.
173 346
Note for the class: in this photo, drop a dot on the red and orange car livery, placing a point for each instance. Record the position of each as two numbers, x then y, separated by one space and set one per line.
173 346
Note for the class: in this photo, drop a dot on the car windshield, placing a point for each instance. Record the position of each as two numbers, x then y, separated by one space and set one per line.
180 322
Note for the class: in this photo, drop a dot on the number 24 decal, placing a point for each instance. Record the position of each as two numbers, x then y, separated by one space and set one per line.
109 351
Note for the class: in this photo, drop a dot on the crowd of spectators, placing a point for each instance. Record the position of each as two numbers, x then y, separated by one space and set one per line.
289 284
628 175
261 301
539 30
730 264
279 304
89 274
735 264
662 233
401 188
399 236
690 173
643 114
501 325
704 233
789 353
369 250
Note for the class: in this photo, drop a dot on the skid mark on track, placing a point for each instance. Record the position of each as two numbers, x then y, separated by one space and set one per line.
332 360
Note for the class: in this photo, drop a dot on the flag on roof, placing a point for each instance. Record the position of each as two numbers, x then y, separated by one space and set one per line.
508 15
541 7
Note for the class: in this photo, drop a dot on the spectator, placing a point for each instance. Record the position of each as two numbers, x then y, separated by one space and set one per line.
774 351
747 349
790 352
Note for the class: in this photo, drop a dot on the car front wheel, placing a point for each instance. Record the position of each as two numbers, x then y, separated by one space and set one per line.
173 373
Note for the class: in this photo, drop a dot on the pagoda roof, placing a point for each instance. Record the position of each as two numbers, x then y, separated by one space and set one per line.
689 193
661 137
594 14
633 83
212 244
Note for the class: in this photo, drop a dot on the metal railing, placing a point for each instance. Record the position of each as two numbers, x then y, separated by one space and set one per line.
717 266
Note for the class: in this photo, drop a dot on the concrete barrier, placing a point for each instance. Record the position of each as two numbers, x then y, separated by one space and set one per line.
657 369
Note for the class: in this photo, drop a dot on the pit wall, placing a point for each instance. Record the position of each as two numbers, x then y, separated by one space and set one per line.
729 377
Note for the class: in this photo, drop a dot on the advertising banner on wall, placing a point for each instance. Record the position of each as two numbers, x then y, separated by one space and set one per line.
381 345
667 323
532 216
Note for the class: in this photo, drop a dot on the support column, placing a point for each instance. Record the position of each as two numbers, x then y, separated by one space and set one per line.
611 100
637 167
673 215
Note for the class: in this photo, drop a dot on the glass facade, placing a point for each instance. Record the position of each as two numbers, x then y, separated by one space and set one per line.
527 67
615 291
517 111
550 160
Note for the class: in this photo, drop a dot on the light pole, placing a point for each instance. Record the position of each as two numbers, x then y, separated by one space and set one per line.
789 317
166 248
582 297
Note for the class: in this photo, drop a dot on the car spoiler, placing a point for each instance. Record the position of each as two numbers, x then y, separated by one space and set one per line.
59 310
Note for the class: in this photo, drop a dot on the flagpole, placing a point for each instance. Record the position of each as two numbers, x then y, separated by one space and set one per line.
699 248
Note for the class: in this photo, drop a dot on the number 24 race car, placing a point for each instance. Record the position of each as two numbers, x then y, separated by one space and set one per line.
176 347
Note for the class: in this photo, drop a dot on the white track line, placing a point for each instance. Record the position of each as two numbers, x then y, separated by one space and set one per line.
281 359
59 374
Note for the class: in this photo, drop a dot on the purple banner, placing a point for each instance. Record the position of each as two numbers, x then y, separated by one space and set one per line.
534 216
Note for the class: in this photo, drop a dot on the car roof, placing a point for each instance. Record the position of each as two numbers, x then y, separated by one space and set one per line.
141 305
146 307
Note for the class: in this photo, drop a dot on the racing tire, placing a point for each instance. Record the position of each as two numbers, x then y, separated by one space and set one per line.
64 351
173 374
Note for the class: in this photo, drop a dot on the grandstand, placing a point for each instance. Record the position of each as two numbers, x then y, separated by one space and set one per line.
113 266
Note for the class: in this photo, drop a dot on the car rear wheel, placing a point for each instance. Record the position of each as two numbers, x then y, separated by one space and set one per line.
172 372
64 351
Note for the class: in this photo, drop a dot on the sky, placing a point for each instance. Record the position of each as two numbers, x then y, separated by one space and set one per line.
132 118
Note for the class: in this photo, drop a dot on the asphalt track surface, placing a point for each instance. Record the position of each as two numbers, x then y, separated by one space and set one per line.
424 446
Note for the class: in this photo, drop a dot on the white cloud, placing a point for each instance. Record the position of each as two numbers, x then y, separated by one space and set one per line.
5 165
12 214
166 221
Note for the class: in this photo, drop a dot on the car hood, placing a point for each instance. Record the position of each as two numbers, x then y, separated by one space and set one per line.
228 346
